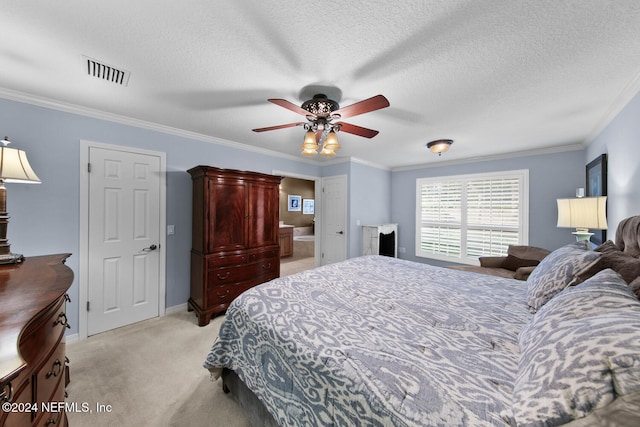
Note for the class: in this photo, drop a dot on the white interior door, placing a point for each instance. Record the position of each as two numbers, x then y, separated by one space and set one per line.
334 219
124 193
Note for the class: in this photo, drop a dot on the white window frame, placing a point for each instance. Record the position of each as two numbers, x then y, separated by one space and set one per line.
523 230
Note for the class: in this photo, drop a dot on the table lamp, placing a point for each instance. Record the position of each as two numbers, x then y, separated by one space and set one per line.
582 214
14 167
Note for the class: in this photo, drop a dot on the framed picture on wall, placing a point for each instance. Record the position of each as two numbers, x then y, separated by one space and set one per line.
308 206
597 186
295 203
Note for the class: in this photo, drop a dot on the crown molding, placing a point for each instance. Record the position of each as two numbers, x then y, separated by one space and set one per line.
128 121
624 97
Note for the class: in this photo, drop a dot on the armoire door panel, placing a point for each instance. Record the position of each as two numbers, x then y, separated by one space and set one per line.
228 212
263 215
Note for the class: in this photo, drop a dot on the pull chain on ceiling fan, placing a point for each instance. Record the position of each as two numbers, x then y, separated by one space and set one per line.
321 114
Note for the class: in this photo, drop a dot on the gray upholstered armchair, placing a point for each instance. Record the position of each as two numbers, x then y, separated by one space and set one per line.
517 264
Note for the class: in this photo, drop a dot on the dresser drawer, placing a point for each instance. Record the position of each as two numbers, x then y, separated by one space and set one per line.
50 386
44 333
21 395
49 419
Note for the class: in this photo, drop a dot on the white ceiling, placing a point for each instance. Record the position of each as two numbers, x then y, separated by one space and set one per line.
496 76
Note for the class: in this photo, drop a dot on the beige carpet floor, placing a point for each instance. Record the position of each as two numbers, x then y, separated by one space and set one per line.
150 374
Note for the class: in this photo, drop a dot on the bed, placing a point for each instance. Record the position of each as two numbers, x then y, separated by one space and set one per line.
378 341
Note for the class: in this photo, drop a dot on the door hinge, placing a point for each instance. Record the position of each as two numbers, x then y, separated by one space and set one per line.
89 167
87 305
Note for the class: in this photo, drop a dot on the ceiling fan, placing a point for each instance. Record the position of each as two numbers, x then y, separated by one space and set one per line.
322 114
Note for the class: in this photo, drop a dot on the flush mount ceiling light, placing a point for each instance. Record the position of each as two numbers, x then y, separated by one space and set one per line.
322 126
439 146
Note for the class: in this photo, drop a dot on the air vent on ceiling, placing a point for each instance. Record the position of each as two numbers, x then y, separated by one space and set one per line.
106 72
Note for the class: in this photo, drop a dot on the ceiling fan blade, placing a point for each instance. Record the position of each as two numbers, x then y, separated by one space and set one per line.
288 125
290 106
357 130
374 103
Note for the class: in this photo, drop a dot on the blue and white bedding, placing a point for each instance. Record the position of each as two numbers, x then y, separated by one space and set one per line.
377 341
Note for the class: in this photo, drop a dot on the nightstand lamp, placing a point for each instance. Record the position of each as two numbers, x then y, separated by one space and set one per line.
583 213
14 167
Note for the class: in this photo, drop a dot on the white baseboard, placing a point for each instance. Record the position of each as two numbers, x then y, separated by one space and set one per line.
175 309
70 339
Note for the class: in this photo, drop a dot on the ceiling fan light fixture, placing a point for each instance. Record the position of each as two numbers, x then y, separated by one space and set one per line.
327 152
310 145
439 146
321 112
331 141
308 152
330 145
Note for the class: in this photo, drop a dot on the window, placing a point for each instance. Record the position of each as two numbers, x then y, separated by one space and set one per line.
460 218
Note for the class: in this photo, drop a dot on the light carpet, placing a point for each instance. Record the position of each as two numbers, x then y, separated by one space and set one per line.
149 374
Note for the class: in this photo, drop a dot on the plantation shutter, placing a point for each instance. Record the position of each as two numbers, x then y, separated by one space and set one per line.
464 217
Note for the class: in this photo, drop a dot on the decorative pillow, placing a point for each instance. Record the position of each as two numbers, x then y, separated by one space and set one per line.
612 257
557 271
578 353
513 263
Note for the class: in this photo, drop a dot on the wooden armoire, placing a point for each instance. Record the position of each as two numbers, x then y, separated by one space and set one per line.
235 242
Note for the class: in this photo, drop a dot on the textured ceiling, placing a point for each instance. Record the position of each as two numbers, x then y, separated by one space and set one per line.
497 77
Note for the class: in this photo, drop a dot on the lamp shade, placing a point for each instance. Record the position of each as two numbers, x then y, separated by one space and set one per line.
14 166
583 213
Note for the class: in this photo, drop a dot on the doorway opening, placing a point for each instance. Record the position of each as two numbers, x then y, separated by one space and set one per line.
297 225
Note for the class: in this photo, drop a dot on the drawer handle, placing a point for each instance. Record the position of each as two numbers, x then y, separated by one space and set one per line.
50 421
7 393
67 298
226 276
266 266
56 368
62 322
223 296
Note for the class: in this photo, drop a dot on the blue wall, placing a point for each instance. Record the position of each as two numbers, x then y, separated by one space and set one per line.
550 176
369 196
45 217
620 140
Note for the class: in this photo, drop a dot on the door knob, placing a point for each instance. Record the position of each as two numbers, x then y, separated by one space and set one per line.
150 248
340 232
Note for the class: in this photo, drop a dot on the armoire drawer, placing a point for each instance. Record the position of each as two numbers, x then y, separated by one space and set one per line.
242 273
269 253
227 260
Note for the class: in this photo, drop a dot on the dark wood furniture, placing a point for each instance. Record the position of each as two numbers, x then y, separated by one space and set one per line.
286 241
33 365
235 242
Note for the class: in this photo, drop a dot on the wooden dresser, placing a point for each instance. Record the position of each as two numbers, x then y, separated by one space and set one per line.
33 365
235 241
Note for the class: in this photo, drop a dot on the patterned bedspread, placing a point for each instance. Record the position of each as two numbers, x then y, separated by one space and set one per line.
377 341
